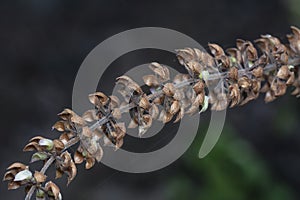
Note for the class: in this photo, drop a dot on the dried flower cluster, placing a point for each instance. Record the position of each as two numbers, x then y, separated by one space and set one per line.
221 78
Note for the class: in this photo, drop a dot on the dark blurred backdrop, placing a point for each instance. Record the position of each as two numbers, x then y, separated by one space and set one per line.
43 44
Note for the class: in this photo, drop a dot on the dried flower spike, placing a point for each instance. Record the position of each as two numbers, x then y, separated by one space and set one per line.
219 79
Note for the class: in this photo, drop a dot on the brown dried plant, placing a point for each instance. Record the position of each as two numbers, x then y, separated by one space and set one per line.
221 78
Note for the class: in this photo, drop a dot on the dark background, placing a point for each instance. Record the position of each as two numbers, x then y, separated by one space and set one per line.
43 44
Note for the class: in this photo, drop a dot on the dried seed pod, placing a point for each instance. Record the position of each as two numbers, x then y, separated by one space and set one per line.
58 145
90 162
144 103
145 125
225 61
169 89
291 79
273 42
161 70
250 51
165 117
234 95
159 100
150 80
69 115
78 157
240 44
199 87
18 174
244 82
200 98
17 166
9 175
98 99
294 40
216 50
269 97
39 177
120 130
233 73
52 188
32 146
90 116
194 67
179 115
196 103
283 72
262 44
175 107
81 154
13 185
68 166
118 144
178 95
86 132
185 55
258 72
278 87
129 84
256 86
59 126
179 78
235 56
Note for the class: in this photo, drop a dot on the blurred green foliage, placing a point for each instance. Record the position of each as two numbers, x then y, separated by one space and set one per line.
233 170
294 11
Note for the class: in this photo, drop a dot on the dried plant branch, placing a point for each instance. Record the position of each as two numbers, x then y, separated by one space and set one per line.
220 79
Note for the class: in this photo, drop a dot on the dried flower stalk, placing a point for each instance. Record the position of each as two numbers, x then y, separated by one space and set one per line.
221 79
